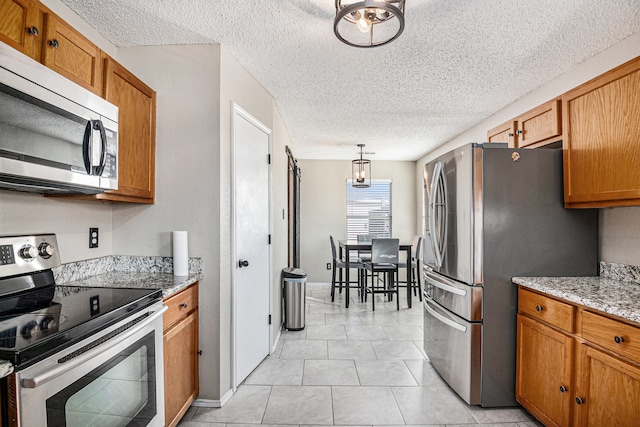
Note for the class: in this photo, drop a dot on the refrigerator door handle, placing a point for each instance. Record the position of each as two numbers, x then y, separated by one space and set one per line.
445 287
443 319
437 202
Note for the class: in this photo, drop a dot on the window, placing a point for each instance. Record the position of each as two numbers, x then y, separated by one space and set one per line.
369 209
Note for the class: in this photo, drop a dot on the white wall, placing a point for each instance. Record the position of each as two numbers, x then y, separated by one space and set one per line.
323 207
619 227
186 79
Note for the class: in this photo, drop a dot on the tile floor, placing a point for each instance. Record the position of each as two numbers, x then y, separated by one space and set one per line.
351 367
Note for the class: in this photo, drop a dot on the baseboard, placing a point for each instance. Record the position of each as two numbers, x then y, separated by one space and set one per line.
275 344
209 403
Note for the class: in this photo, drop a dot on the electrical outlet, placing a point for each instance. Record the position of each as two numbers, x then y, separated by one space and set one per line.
93 238
328 266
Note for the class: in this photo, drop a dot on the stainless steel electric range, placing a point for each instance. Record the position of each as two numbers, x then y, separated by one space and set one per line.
80 355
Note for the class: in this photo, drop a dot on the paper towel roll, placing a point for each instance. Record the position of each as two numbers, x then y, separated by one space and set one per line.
180 253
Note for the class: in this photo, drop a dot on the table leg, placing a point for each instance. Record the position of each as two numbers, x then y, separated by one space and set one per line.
346 263
409 270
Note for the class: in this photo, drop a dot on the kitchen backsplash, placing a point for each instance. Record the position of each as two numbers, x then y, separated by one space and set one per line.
622 272
123 263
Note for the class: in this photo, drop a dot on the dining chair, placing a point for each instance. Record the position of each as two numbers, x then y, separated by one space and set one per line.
338 266
364 238
384 259
414 264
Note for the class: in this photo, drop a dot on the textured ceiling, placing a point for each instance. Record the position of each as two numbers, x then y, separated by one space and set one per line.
457 62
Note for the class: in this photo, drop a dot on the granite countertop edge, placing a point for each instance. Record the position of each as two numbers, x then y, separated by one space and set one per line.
615 297
166 282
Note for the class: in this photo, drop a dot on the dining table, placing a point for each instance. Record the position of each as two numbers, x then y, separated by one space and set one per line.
347 246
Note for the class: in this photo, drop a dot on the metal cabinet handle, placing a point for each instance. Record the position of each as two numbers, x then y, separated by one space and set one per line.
54 43
243 263
510 135
539 308
579 400
184 305
519 132
618 339
563 389
33 31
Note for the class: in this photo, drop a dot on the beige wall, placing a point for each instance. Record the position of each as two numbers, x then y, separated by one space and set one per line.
323 207
619 227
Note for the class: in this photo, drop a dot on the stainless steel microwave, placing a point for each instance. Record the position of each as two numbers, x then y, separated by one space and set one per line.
55 136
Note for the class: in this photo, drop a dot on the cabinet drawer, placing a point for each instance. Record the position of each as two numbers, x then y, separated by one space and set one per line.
611 334
180 305
546 309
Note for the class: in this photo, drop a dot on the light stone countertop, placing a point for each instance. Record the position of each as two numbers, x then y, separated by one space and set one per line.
168 283
612 296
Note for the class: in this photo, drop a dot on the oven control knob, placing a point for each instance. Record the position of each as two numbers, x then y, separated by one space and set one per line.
28 252
29 330
47 323
46 250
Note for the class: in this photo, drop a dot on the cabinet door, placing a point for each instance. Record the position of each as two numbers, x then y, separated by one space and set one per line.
601 151
69 53
503 133
136 134
540 126
21 26
608 390
543 372
180 368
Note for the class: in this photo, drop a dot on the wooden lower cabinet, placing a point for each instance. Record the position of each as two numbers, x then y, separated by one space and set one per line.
544 365
608 390
590 377
180 354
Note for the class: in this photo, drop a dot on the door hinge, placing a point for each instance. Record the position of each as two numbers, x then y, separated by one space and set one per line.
269 159
269 319
269 238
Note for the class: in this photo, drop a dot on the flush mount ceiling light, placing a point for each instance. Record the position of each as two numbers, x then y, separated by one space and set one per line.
368 23
361 171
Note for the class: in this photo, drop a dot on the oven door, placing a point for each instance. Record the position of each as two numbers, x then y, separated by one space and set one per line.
114 379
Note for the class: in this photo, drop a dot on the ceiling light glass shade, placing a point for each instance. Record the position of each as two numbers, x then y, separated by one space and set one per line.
368 23
361 171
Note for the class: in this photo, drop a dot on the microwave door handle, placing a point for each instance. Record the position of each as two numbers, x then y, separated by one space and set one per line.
87 146
103 156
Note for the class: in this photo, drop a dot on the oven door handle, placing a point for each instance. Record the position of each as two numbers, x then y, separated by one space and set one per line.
53 373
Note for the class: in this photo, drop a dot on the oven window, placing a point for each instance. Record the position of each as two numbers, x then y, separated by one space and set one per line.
119 393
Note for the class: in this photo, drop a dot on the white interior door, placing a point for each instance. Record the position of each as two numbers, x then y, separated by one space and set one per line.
252 254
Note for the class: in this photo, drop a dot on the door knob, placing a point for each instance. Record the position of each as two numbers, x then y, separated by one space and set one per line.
243 263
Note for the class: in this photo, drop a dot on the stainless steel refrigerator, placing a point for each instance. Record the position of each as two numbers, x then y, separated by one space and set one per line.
492 213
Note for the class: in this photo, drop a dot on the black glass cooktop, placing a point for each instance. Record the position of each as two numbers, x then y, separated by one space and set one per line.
39 322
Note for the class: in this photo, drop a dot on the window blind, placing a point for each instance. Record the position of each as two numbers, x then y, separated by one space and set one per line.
369 209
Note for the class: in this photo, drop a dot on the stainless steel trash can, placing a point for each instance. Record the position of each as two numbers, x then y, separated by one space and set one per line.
294 282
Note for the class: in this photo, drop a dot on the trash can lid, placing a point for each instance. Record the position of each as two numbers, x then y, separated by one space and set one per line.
293 273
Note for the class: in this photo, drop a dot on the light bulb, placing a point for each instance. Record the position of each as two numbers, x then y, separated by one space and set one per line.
364 24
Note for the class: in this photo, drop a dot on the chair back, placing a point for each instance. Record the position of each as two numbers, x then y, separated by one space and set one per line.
415 245
333 248
418 255
385 251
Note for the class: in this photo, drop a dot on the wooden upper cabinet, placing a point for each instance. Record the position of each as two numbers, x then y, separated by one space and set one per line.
69 53
506 132
136 134
533 129
540 126
21 26
602 140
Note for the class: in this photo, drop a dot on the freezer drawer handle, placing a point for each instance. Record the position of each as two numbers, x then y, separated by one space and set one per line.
444 320
447 288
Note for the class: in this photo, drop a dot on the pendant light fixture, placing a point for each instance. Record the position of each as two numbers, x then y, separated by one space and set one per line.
368 23
361 171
